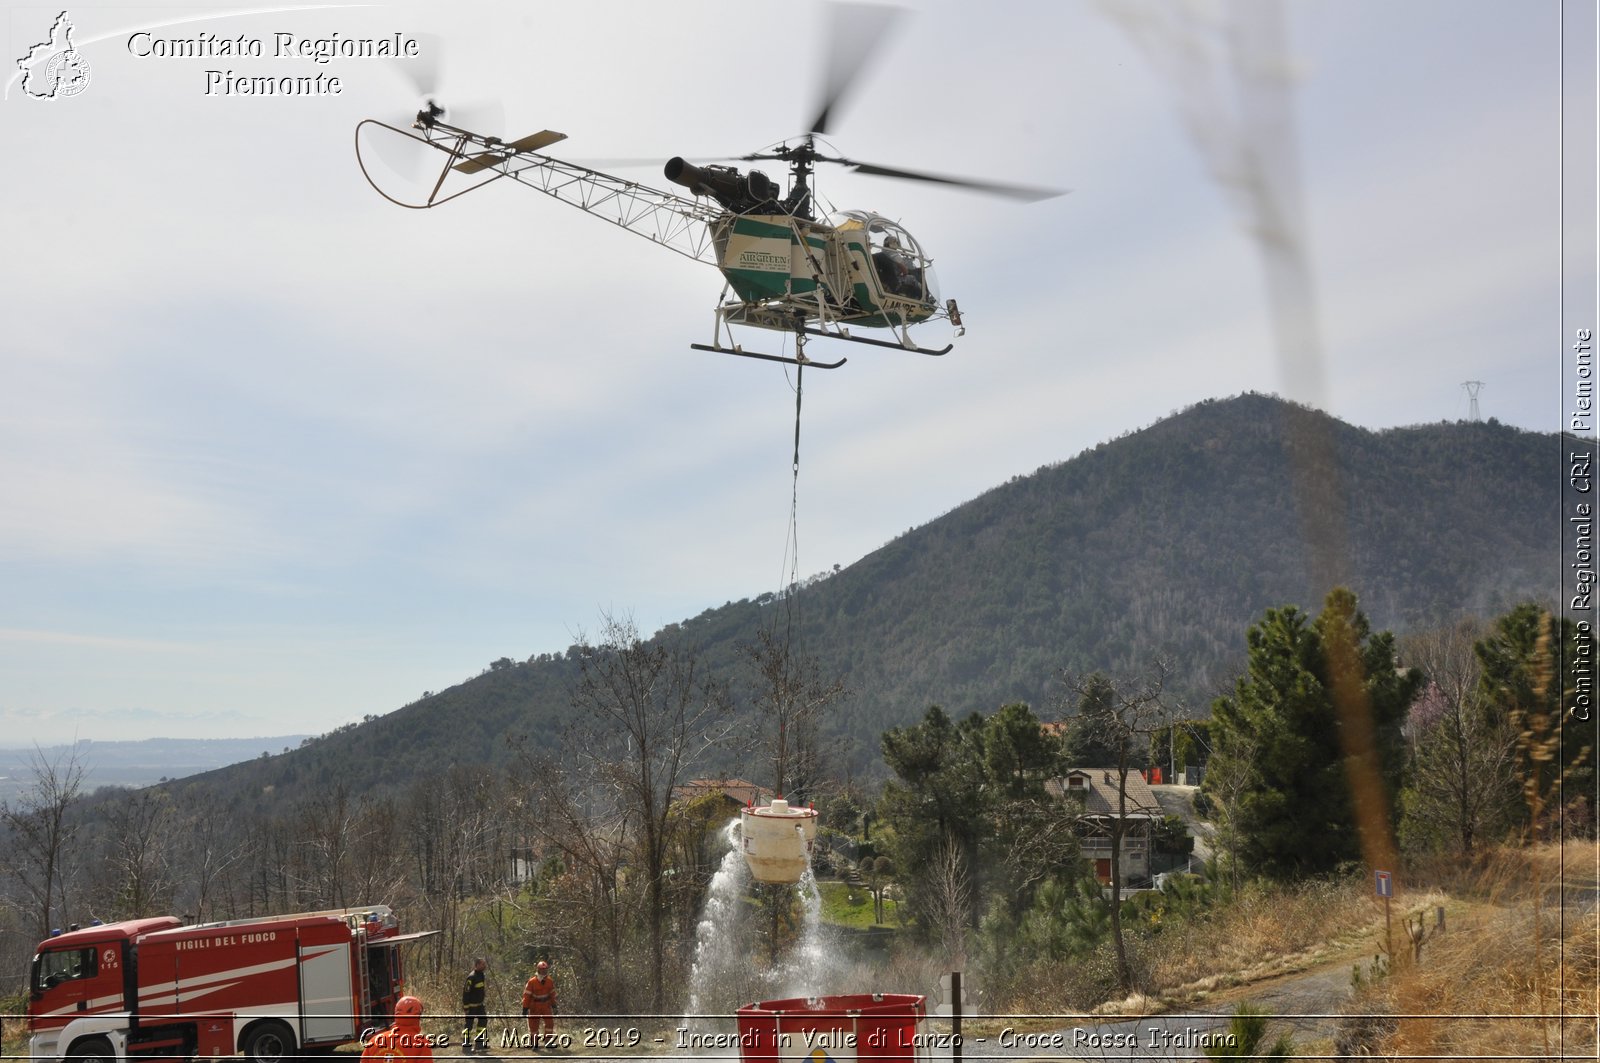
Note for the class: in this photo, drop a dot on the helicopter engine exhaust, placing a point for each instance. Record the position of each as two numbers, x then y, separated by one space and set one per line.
734 190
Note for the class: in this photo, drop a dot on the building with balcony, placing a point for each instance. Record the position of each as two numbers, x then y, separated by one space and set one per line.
1101 801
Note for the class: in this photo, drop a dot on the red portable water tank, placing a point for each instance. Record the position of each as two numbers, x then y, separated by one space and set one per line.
837 1029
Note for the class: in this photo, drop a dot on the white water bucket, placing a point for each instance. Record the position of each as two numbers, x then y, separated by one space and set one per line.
777 840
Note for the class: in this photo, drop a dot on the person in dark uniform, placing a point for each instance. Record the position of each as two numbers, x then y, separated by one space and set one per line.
473 992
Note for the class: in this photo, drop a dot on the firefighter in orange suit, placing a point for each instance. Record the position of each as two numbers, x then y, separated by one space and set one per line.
402 1041
539 1004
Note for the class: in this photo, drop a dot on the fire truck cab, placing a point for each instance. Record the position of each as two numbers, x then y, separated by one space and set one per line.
262 988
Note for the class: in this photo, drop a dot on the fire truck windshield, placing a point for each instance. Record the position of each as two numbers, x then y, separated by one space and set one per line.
63 965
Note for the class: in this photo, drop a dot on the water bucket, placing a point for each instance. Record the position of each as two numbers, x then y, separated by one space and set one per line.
777 840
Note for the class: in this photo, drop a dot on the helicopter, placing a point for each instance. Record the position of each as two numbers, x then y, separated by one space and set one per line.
785 269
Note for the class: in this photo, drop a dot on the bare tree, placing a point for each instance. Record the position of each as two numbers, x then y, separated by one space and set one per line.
275 883
213 850
1120 716
645 714
792 699
1229 776
568 815
42 827
141 836
326 823
951 900
377 856
1464 748
455 866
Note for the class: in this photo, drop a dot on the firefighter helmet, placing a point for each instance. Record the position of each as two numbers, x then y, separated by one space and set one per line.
408 1007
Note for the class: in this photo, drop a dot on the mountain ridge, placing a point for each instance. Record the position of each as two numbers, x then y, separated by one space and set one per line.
1167 540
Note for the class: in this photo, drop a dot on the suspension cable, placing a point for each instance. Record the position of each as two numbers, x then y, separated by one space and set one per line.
790 585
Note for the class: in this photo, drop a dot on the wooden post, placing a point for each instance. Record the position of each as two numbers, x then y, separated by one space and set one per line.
1388 932
955 1016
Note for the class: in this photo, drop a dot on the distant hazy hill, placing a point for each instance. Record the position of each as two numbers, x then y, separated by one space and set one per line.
1170 540
136 763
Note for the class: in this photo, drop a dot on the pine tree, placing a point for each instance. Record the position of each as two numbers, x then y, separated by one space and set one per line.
1321 704
1530 664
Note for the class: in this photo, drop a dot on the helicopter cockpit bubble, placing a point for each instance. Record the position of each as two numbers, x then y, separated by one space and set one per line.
903 267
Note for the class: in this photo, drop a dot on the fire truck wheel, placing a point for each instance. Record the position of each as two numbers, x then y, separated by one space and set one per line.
94 1050
271 1042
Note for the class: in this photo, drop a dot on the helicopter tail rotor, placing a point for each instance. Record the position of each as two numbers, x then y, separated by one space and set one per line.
423 73
428 88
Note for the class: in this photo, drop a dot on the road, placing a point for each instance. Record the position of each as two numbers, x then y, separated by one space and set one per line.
1177 800
1306 1005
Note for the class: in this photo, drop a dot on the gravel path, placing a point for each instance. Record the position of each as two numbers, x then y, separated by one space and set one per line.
1306 1005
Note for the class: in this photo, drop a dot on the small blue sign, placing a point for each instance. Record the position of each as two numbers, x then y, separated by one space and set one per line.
1384 883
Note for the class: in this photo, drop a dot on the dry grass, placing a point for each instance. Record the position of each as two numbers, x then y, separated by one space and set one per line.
1490 968
1517 975
1267 931
1508 875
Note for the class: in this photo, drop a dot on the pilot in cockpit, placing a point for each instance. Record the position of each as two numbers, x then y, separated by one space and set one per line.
897 270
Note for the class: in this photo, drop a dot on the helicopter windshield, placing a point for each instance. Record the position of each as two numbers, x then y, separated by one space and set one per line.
902 266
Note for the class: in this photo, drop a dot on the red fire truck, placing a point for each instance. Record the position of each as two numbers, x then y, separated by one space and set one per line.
263 988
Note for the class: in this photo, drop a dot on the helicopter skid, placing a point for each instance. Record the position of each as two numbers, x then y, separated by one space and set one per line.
786 320
946 349
742 353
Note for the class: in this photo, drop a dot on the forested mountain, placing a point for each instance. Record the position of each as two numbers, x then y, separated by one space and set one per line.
1171 540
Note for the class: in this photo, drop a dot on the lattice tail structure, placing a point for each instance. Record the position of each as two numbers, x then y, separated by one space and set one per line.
666 220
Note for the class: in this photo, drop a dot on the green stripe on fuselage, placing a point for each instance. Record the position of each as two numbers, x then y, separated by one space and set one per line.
758 258
748 226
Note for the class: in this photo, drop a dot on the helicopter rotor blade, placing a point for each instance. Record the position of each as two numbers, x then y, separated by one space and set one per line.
1025 193
854 30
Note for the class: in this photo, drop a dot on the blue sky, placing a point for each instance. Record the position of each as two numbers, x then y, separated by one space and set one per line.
276 454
